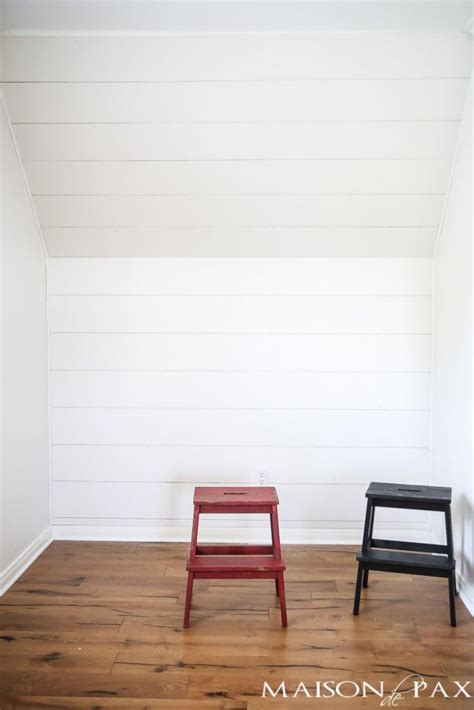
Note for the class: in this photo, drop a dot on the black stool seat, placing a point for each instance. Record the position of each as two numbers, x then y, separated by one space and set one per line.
401 556
407 495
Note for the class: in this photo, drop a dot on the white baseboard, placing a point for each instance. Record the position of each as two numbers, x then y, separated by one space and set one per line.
16 568
289 536
466 593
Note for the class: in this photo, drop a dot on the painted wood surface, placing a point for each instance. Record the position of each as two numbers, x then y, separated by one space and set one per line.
299 132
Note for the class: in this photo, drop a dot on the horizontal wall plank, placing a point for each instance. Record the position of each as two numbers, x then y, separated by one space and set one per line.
174 501
204 141
226 465
239 242
241 389
241 57
293 100
243 177
240 314
367 353
241 276
178 427
236 530
178 211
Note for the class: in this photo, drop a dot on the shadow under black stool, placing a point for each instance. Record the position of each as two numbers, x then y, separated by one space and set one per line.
407 557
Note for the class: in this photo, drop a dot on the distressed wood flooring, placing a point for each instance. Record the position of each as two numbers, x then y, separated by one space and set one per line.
99 625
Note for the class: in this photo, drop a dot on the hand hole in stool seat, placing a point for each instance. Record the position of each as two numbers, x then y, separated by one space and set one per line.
234 493
410 490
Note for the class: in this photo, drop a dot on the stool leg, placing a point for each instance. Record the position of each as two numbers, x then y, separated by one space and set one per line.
452 576
192 555
194 534
358 589
277 591
368 518
365 545
449 532
365 578
275 533
452 598
450 541
281 585
279 581
187 604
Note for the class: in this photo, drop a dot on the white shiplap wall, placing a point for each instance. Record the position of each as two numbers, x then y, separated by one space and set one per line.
251 152
25 511
238 145
172 372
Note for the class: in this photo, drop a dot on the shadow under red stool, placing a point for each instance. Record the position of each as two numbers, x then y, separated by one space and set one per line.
236 561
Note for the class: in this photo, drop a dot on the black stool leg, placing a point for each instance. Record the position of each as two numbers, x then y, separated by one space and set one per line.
358 589
450 541
367 523
452 576
365 579
365 543
452 597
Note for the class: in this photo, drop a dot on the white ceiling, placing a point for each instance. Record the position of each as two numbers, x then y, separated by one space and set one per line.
148 16
242 144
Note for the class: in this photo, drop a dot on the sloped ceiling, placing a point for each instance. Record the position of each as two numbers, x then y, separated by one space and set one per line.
92 16
241 144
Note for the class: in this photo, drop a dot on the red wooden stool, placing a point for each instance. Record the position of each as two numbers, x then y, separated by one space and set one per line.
236 561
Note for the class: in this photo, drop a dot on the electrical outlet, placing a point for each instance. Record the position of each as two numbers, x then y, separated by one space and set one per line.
262 478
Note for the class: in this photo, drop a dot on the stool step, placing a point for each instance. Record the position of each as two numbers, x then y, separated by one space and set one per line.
235 563
238 549
406 560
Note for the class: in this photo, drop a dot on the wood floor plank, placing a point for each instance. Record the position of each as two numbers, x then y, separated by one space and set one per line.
165 685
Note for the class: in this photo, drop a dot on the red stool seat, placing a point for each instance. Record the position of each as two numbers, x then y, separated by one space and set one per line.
231 496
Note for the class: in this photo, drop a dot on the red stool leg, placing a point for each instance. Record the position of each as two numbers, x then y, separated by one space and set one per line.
194 534
280 581
187 604
275 533
192 554
281 585
277 591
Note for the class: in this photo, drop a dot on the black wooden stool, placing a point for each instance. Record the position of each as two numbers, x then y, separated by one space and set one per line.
407 557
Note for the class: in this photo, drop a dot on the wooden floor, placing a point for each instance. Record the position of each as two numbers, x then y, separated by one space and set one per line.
99 625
